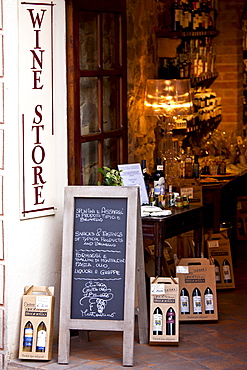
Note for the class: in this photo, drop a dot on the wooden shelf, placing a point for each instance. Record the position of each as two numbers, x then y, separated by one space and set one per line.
208 125
203 81
186 34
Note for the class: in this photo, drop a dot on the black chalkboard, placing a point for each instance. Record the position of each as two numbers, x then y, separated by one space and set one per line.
99 257
101 277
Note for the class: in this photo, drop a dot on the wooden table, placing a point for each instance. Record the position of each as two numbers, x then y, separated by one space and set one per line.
157 229
220 200
220 205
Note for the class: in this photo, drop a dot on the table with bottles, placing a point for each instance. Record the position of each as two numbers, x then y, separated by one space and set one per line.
157 229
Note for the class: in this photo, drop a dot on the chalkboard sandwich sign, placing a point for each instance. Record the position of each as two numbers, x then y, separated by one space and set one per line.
102 229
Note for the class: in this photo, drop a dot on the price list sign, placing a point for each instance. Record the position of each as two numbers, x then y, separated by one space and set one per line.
99 257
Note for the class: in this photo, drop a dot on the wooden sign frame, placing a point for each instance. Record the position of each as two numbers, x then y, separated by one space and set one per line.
134 287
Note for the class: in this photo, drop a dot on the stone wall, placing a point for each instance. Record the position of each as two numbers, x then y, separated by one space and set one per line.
142 65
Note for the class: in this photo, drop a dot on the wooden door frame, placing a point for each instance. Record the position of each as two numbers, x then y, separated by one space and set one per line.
73 87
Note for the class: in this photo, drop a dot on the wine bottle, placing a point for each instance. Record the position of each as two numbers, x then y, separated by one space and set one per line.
217 272
187 9
170 197
222 167
145 174
196 170
226 271
157 321
184 302
197 301
170 321
152 199
159 177
28 337
176 16
209 301
41 337
188 164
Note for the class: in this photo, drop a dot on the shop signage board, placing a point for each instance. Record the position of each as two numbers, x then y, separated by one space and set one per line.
103 281
36 118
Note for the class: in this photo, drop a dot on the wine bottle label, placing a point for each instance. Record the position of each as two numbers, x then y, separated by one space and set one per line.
28 337
226 272
170 318
177 15
209 302
157 322
184 302
217 274
197 304
41 340
159 182
160 167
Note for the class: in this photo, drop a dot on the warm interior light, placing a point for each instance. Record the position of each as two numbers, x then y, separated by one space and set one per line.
168 98
171 102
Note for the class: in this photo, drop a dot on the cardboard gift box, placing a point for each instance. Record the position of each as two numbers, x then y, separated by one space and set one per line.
198 299
219 249
164 310
193 189
37 316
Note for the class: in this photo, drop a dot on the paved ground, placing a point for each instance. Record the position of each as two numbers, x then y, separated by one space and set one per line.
217 346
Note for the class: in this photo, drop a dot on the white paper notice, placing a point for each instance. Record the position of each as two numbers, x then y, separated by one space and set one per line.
213 243
186 191
182 269
132 176
157 289
43 302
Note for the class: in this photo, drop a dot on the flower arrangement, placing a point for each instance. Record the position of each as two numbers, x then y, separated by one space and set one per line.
111 177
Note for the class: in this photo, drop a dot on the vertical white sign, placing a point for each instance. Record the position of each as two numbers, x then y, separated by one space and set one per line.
37 136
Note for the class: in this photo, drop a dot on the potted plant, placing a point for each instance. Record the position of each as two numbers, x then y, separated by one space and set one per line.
111 177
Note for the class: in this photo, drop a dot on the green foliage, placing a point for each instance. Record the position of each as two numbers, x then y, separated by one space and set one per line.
110 177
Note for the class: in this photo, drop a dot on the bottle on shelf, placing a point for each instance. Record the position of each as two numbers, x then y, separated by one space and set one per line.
181 160
197 301
28 337
159 177
188 164
196 167
41 337
226 271
176 16
145 174
209 301
170 322
187 15
157 321
217 272
184 302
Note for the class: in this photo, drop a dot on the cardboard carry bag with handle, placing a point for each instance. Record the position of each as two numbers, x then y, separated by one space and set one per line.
198 300
164 310
193 189
219 249
36 331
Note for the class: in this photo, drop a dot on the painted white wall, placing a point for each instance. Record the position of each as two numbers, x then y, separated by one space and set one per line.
32 247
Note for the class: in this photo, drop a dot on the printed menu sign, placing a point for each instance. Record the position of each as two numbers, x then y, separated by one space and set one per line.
99 256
